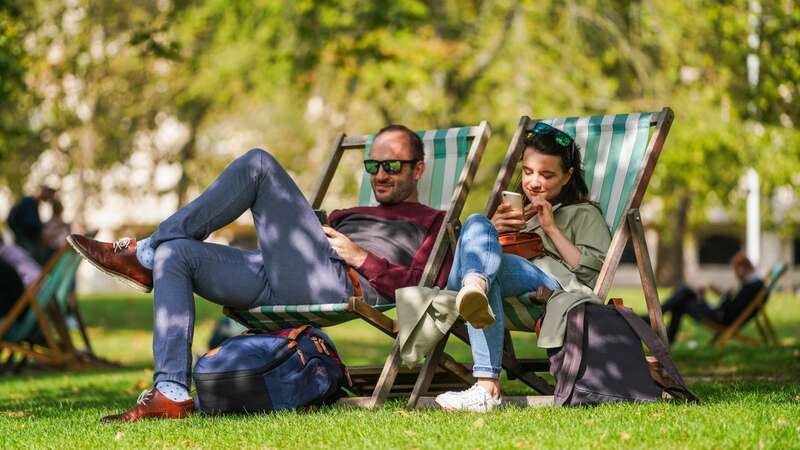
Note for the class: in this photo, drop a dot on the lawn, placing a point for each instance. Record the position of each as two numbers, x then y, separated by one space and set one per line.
751 398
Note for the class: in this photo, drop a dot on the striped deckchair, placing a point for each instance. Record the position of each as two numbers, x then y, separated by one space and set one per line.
35 327
754 311
619 154
615 152
451 159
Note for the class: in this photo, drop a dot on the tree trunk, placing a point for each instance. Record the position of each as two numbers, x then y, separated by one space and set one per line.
669 267
195 113
188 153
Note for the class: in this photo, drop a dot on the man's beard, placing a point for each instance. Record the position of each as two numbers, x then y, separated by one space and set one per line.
400 193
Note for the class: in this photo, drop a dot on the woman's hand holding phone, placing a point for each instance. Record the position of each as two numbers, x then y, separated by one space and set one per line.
509 216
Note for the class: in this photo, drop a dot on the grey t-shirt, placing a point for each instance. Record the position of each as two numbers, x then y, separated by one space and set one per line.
395 240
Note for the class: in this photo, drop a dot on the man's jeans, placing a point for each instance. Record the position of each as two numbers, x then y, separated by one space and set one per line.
478 252
685 300
294 263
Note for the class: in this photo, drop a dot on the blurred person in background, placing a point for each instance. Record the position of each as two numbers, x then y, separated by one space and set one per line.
685 300
17 271
55 230
26 224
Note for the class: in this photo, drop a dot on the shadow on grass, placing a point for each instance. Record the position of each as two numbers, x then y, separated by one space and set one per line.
766 391
36 373
740 361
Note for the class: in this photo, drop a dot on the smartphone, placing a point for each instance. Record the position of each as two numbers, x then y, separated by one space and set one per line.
514 198
322 216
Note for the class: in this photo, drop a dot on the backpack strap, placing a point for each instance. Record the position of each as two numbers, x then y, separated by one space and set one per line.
661 353
296 331
573 353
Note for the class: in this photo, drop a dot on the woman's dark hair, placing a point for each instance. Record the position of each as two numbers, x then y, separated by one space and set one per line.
575 191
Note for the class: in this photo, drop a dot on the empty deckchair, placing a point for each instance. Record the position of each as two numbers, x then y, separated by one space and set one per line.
451 159
756 311
619 154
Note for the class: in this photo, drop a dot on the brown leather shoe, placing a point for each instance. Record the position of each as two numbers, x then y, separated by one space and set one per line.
152 404
117 259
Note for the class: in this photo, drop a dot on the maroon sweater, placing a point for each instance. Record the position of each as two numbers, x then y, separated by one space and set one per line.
399 239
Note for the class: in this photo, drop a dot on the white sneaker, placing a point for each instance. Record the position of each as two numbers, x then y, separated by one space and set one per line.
473 306
474 399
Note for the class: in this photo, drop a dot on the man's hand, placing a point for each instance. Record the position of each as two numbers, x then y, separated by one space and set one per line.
351 253
507 219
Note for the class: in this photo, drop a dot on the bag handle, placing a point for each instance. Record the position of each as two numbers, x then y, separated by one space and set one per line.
660 351
296 331
573 352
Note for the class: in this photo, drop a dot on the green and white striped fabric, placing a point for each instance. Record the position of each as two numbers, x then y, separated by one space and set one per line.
445 154
55 287
521 313
612 150
274 318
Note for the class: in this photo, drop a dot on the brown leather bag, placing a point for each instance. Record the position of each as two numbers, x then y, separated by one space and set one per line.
526 244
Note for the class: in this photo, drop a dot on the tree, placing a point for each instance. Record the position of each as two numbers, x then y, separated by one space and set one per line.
18 142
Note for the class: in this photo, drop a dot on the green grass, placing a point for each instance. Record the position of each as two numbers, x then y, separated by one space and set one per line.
751 398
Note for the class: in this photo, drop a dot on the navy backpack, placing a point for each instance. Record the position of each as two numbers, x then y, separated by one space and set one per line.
289 369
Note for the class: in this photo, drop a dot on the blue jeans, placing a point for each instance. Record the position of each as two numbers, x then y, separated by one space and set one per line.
478 252
294 262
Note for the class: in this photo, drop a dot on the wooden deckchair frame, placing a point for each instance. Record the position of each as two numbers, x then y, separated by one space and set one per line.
446 237
724 333
524 370
56 348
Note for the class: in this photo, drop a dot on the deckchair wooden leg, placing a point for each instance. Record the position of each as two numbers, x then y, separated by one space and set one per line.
634 222
65 346
761 330
384 385
734 333
43 354
425 376
770 329
76 312
508 348
375 318
451 365
724 337
6 362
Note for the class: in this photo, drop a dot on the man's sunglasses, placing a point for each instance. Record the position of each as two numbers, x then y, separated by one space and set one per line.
561 138
390 166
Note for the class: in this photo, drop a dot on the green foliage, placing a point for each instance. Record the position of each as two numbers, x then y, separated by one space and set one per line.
17 142
224 68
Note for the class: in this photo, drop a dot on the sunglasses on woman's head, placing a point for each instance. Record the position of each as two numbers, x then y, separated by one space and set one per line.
390 166
561 138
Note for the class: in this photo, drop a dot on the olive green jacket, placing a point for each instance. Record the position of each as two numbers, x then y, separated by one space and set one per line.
584 226
425 314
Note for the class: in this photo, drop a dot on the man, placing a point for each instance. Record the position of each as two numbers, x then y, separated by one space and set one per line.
371 249
26 224
687 301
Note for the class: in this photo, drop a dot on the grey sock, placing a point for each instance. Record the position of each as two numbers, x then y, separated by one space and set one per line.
145 253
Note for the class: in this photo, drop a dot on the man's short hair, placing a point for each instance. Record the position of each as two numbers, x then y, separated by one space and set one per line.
417 148
740 259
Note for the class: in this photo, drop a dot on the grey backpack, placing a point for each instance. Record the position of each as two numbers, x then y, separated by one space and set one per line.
602 360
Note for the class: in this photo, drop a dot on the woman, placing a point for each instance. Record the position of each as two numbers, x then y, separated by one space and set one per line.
575 237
